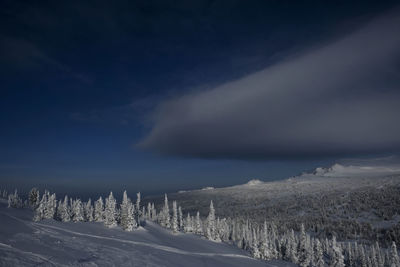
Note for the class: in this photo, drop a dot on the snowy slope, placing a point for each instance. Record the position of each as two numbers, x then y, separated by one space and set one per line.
51 243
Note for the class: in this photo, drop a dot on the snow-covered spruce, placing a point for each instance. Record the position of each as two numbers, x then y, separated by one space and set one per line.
110 211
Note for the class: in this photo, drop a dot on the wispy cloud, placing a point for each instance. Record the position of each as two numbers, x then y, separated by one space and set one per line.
23 55
340 98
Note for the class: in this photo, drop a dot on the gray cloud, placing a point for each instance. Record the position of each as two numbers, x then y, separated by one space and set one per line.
339 98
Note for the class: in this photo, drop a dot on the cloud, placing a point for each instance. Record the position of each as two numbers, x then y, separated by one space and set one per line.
337 99
24 56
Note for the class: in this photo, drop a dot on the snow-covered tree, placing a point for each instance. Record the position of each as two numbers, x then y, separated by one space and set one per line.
379 257
254 246
153 212
77 211
165 217
14 201
291 248
39 211
99 210
88 211
394 256
211 227
337 259
198 228
127 217
110 211
34 198
174 217
137 208
180 218
50 205
303 251
63 213
318 255
148 215
188 226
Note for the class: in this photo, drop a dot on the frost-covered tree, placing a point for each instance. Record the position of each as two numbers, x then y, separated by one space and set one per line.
137 208
63 213
394 256
127 214
362 257
99 210
153 212
264 246
188 226
148 215
50 205
211 224
337 259
291 248
198 228
88 211
165 217
66 211
379 257
39 211
174 217
77 211
180 218
14 201
110 211
318 255
303 251
254 246
34 198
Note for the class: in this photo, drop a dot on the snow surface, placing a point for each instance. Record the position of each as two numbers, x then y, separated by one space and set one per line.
52 243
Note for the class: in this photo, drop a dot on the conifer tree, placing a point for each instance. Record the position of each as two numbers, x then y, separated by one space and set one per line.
88 211
153 212
110 211
165 217
211 227
362 257
303 250
39 211
77 211
34 198
99 210
65 211
394 256
292 248
127 214
198 226
148 211
138 213
318 254
188 227
174 217
337 259
180 218
254 245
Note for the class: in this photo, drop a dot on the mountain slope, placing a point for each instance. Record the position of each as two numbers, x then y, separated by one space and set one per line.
51 243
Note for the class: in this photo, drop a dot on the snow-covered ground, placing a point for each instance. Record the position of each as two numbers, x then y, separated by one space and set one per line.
52 243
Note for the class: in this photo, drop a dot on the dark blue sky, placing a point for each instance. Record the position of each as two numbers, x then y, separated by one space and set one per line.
83 82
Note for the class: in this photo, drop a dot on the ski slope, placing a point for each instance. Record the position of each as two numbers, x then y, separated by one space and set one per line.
52 243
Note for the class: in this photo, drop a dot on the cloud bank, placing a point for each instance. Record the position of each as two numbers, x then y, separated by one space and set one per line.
340 98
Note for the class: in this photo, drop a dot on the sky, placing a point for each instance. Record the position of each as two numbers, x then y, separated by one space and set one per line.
160 96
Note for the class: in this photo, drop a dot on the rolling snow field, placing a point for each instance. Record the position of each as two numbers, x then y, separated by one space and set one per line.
51 243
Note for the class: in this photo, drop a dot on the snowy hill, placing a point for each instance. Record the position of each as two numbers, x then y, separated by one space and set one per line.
52 243
352 200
